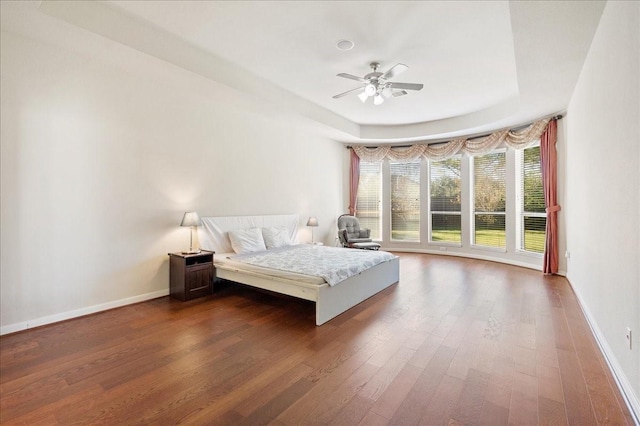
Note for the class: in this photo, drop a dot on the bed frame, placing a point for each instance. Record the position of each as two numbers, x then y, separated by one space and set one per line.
330 301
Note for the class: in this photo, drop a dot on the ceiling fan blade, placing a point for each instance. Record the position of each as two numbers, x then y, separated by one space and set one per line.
339 95
406 86
399 93
394 70
352 77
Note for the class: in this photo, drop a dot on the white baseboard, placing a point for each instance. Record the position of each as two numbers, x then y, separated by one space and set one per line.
37 322
618 374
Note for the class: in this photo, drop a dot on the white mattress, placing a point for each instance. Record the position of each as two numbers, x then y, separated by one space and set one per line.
222 261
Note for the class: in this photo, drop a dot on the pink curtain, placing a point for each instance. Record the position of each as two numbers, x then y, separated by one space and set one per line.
549 159
354 180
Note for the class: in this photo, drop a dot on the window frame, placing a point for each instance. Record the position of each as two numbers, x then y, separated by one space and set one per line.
417 163
379 236
503 241
431 212
520 212
472 199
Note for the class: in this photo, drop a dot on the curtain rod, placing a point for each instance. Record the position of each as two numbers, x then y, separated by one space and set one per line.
555 117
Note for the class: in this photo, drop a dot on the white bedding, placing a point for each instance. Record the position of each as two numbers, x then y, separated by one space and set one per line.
333 264
224 261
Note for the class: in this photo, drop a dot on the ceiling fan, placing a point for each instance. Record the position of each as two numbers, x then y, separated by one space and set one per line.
377 84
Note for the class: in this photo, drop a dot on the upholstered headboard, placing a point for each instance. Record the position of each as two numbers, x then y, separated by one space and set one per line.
214 232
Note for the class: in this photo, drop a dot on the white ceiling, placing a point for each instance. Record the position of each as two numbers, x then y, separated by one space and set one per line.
466 63
484 65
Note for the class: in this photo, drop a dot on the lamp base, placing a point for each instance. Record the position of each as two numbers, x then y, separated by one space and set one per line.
192 251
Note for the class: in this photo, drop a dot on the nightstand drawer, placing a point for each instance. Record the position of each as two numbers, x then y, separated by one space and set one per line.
199 279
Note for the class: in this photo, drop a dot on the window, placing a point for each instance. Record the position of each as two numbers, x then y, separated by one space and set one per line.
369 202
405 201
531 205
489 199
445 194
463 204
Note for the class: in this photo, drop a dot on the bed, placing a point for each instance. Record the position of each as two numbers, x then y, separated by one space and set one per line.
330 300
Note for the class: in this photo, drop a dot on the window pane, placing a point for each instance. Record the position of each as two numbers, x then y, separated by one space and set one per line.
490 230
534 233
532 206
489 199
405 201
369 197
533 192
446 227
445 193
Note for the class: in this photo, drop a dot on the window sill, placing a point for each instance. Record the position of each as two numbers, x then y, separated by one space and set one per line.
486 248
436 244
530 254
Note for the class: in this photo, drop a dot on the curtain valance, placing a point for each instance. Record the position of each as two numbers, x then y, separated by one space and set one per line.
517 139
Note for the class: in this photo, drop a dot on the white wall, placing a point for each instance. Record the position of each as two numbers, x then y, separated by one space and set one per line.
602 198
99 162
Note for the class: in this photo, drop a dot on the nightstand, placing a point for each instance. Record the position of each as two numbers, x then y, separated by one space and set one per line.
191 275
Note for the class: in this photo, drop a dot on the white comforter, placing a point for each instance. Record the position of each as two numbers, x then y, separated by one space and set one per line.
334 264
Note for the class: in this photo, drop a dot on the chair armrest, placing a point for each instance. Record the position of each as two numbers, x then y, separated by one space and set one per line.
365 233
344 237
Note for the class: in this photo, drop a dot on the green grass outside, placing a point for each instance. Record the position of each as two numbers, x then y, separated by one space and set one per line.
534 240
405 235
450 236
491 238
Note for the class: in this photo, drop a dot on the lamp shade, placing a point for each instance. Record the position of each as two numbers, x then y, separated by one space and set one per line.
313 221
191 219
370 89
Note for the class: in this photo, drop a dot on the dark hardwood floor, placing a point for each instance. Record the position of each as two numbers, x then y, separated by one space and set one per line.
457 341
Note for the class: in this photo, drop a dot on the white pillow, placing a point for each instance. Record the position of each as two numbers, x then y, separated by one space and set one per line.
276 237
246 240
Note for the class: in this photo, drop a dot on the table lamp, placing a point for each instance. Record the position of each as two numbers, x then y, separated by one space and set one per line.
193 220
312 222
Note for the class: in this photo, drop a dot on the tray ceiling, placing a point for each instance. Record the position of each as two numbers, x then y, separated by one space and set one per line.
484 65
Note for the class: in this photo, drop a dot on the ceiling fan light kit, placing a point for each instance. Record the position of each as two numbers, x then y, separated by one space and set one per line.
376 84
370 89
